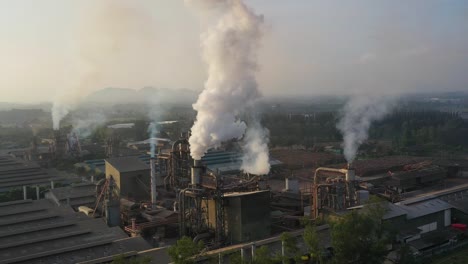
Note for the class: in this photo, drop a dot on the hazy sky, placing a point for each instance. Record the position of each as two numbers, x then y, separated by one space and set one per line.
309 47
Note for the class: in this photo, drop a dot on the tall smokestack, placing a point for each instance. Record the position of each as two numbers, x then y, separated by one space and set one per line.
350 174
154 193
196 172
152 134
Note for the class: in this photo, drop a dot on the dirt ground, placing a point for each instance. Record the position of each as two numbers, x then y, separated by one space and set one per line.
300 159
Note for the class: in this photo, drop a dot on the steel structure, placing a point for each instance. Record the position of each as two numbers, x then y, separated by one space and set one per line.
174 167
201 205
334 192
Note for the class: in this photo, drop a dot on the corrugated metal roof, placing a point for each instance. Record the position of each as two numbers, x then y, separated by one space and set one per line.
423 208
393 211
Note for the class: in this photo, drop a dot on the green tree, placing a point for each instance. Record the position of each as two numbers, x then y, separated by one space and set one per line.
141 130
262 256
405 256
235 258
100 134
361 237
290 246
184 249
311 239
121 259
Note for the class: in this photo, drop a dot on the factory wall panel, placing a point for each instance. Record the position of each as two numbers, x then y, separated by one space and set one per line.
256 216
248 216
233 216
128 185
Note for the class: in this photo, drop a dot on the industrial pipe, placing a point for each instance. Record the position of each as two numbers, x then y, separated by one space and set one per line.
349 176
316 175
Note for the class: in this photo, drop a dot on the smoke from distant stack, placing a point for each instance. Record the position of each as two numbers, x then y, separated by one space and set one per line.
256 159
230 52
357 117
112 37
152 137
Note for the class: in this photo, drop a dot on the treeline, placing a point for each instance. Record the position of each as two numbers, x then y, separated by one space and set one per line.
307 130
423 132
418 132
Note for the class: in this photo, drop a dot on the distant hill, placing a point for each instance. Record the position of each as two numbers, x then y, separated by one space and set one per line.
5 106
145 95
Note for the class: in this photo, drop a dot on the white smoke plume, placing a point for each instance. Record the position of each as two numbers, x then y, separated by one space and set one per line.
357 116
110 41
152 130
230 51
85 124
256 159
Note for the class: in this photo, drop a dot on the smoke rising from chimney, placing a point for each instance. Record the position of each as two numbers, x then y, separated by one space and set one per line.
256 159
152 137
230 51
357 116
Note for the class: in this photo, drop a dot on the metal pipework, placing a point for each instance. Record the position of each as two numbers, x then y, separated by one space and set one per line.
316 175
154 193
348 174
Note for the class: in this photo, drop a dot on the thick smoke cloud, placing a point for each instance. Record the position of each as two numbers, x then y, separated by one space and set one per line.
357 117
256 159
230 51
108 43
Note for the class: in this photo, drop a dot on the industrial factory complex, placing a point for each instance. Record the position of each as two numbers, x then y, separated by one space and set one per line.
137 205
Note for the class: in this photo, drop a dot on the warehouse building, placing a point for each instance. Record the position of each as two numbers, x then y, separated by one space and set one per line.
16 173
132 177
40 232
74 195
424 222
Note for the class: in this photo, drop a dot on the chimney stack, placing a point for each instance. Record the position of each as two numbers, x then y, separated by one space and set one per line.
154 194
196 172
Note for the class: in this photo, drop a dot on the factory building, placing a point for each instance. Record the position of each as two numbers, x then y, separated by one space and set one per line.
426 221
98 166
131 176
40 232
248 216
81 194
16 173
243 222
404 181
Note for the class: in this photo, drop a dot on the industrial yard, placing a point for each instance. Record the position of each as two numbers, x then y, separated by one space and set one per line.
140 205
233 132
